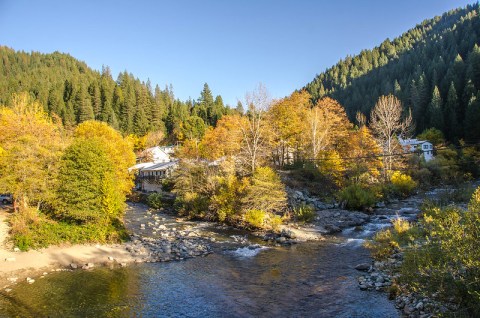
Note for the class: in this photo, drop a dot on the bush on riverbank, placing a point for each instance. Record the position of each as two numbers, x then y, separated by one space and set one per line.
387 241
219 194
441 254
357 197
154 200
402 184
304 213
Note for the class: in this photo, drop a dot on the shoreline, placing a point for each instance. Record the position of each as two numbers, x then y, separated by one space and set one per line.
176 242
17 266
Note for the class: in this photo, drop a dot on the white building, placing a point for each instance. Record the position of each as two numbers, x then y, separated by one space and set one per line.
156 154
155 165
413 145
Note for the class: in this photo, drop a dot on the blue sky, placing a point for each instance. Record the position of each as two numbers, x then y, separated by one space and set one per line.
231 45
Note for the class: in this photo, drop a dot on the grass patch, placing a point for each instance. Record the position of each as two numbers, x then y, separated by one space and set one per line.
32 229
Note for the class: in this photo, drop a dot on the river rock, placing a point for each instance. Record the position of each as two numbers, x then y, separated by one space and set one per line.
362 267
288 234
73 266
331 228
408 310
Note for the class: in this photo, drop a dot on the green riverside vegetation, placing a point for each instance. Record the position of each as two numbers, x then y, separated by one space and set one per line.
441 254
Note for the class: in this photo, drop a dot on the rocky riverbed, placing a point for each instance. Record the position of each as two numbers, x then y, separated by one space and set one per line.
160 237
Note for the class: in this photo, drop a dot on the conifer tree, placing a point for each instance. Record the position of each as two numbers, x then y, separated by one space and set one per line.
435 112
472 120
450 113
83 105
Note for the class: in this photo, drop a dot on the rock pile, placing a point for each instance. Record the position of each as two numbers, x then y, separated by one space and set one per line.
380 276
173 247
297 198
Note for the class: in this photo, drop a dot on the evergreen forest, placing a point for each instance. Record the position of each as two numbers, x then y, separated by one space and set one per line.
434 69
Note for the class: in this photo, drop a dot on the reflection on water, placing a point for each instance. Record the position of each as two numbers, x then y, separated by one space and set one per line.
306 280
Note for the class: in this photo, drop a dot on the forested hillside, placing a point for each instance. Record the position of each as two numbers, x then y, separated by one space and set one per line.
71 90
433 68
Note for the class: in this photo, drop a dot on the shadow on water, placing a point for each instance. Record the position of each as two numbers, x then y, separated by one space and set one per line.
305 280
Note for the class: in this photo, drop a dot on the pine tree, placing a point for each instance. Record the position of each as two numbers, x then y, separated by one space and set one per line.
83 105
419 101
140 122
450 113
205 106
435 113
106 93
239 108
474 66
94 91
472 120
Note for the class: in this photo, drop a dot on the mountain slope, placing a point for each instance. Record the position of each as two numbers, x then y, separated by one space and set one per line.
68 88
440 53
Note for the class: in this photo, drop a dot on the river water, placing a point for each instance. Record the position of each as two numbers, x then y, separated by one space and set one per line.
315 279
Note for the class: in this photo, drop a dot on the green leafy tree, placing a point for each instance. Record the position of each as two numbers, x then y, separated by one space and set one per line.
86 183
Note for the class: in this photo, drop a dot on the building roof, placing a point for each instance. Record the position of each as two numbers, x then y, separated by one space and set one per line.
407 142
159 166
140 166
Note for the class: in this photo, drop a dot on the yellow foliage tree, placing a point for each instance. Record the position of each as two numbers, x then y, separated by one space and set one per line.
332 165
119 150
366 163
225 139
287 118
32 145
327 126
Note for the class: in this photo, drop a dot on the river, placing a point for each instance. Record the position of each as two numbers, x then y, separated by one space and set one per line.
315 279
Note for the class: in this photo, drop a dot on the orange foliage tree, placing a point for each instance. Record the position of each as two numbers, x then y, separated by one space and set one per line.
287 118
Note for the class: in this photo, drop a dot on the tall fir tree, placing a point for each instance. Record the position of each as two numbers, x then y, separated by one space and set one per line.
450 113
435 113
83 105
472 120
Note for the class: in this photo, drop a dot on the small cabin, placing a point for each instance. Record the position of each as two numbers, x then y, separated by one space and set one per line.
413 145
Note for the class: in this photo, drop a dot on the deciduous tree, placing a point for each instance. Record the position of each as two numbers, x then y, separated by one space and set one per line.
386 123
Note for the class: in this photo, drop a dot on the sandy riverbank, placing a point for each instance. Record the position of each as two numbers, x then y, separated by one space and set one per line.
34 262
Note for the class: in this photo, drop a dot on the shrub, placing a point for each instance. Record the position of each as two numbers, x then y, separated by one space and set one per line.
154 200
441 254
256 218
403 184
304 213
274 222
265 192
356 197
260 219
227 199
448 261
386 241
